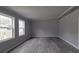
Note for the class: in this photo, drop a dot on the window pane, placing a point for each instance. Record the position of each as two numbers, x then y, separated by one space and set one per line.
5 34
6 27
21 27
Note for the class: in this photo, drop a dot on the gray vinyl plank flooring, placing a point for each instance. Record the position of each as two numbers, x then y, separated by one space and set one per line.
44 45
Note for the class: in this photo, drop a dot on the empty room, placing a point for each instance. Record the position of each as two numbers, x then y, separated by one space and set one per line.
39 29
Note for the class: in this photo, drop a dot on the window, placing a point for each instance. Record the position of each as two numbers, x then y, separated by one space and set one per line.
7 28
21 27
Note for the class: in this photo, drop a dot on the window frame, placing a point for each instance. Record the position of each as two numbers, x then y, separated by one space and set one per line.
13 26
22 27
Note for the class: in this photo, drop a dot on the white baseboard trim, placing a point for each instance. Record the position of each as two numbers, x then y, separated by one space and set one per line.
71 44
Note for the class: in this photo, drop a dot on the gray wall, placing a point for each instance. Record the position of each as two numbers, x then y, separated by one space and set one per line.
5 46
44 28
68 28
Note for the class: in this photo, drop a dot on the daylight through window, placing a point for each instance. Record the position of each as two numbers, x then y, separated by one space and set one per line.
21 27
7 28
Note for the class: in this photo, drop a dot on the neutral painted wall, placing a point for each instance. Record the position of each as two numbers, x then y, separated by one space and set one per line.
68 28
78 32
44 28
5 46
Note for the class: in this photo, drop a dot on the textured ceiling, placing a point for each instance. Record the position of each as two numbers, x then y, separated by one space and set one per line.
39 12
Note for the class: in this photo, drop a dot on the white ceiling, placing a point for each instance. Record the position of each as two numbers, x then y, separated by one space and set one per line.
40 12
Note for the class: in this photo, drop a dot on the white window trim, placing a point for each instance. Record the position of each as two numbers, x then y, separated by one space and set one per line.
13 32
21 27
